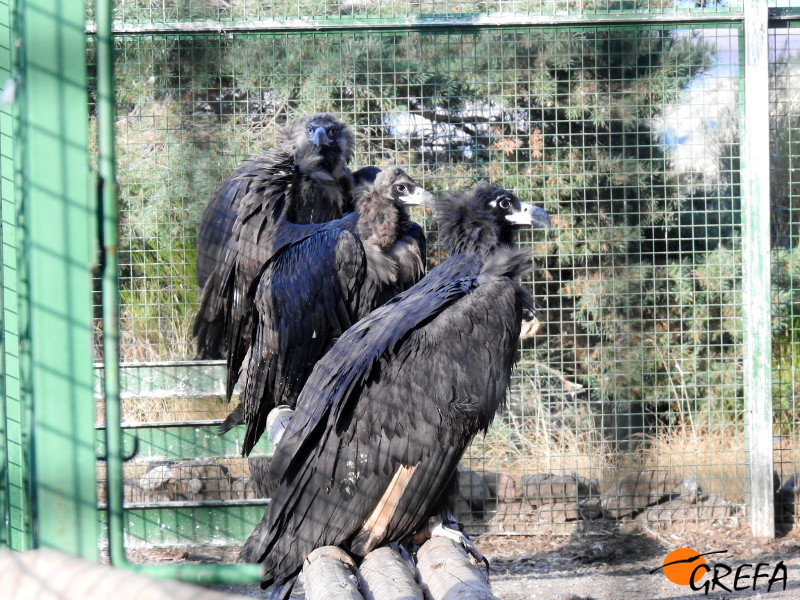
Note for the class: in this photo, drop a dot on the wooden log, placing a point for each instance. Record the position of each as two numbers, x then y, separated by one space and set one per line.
330 574
448 573
384 575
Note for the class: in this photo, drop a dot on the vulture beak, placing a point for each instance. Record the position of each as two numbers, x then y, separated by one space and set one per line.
418 197
528 214
320 138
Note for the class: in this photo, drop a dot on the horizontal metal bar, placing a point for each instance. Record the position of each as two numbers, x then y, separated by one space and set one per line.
421 22
202 573
166 363
190 504
162 424
180 441
168 379
220 525
781 15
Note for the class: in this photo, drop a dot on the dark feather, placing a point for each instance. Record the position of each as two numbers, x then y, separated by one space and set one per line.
314 288
372 449
266 203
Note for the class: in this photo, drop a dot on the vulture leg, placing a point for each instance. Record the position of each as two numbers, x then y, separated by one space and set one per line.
406 552
450 528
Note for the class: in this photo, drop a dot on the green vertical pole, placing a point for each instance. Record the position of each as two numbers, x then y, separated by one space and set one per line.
5 75
17 504
756 269
58 245
110 287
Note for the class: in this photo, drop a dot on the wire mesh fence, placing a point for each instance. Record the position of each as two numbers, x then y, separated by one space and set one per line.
783 192
178 12
627 401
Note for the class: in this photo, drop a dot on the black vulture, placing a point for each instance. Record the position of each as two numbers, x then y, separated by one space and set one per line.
372 448
317 286
302 179
219 215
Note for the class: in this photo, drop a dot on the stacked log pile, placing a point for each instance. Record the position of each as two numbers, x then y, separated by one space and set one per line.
442 571
496 502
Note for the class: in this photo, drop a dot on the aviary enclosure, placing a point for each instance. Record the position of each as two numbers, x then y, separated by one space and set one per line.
660 136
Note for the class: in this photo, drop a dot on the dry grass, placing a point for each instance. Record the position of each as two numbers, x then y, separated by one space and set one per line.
528 444
717 459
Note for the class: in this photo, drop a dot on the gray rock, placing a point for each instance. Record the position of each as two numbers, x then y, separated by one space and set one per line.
559 512
156 478
546 488
681 513
502 487
472 489
243 488
635 491
202 479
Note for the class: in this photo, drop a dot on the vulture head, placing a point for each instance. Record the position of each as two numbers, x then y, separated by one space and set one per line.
381 206
365 175
329 136
396 185
483 219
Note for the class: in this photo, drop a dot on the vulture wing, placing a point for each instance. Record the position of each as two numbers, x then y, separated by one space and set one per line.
302 179
218 219
387 414
303 301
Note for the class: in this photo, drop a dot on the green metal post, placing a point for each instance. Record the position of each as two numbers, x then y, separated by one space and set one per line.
57 229
111 371
756 269
6 187
17 498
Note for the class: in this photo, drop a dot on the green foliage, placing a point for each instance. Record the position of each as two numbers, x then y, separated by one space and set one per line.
148 11
638 293
786 337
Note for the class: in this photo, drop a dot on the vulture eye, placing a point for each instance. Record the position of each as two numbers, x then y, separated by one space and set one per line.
310 128
505 204
401 187
333 132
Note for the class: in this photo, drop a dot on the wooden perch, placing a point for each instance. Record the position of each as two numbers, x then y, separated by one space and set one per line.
384 575
329 574
447 572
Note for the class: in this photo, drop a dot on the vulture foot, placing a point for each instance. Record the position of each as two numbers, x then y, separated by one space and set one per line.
452 529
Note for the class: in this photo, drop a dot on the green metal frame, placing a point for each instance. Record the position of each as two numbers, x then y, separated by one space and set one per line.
50 233
8 328
753 17
56 231
110 291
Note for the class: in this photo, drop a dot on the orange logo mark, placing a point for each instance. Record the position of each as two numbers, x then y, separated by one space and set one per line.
681 563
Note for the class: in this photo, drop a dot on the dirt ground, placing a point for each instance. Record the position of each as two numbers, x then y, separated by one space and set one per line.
617 564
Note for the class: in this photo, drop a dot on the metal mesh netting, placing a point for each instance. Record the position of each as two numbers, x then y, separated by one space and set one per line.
784 136
627 136
399 10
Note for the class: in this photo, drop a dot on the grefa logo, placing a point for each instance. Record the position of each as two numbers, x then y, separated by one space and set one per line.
686 566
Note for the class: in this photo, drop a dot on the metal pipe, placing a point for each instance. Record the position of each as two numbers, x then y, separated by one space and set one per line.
5 504
418 23
111 353
756 276
192 504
